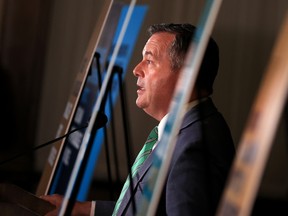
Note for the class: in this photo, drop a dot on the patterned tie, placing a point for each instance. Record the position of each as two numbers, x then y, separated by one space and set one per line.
143 154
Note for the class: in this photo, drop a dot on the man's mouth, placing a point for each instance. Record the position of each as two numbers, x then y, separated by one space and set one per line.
140 89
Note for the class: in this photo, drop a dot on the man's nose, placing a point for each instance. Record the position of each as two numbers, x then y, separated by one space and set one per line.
137 71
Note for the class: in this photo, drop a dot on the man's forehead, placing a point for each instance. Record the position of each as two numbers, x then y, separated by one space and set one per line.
146 51
157 42
150 49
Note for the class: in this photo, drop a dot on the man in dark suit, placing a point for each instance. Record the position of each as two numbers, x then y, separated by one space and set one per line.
204 149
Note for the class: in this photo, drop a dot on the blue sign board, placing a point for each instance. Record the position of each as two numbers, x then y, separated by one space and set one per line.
87 101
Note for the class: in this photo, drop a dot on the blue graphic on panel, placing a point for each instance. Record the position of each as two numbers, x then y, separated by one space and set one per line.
87 101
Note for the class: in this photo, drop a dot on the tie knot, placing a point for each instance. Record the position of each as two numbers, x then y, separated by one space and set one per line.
153 134
151 140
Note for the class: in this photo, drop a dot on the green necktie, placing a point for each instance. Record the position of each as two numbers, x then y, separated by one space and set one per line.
143 154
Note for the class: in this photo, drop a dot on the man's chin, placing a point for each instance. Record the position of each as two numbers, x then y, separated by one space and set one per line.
140 104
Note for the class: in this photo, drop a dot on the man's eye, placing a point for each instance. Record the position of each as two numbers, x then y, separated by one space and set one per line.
148 61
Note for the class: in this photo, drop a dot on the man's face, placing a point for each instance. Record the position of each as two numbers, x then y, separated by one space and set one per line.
155 79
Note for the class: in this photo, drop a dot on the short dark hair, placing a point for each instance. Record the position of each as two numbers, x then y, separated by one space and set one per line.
183 36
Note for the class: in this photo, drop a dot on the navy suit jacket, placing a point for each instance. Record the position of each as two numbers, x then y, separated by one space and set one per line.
199 167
